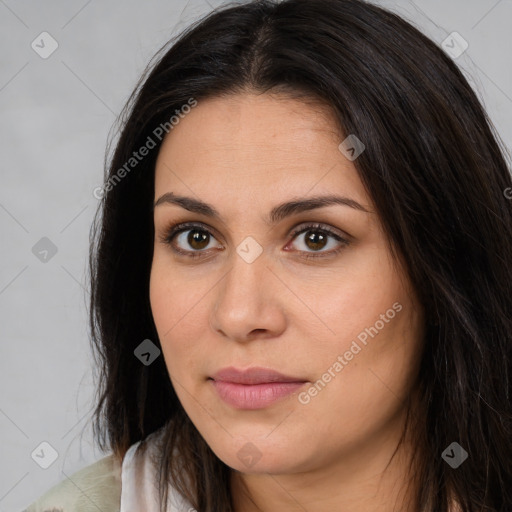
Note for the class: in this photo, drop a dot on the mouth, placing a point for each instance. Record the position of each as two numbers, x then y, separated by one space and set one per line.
254 388
254 375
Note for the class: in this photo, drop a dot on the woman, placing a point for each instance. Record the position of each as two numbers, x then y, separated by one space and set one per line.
301 281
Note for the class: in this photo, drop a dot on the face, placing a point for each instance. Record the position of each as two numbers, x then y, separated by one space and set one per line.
311 293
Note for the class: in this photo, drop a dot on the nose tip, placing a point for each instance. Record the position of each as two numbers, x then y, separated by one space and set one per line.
246 302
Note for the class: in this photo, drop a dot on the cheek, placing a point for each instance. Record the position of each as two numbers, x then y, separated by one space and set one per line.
164 306
373 344
352 304
174 299
180 307
363 387
175 317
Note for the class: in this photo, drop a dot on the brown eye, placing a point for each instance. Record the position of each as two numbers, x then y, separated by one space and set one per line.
190 240
315 240
319 236
198 239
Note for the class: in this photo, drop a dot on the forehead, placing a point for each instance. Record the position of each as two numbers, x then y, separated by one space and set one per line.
255 146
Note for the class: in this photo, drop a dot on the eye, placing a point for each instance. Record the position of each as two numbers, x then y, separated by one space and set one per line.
317 238
182 237
194 236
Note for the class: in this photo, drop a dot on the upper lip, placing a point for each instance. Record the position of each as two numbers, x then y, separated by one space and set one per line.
254 375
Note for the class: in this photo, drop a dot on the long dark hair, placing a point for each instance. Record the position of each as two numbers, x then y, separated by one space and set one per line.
436 171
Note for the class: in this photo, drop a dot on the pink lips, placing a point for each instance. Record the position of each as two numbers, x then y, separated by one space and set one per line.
253 388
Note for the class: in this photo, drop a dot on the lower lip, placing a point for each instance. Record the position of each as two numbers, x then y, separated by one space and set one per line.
254 396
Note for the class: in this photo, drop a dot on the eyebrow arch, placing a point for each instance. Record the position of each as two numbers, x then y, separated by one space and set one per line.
277 213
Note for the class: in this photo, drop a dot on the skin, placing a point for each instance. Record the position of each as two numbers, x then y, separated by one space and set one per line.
244 154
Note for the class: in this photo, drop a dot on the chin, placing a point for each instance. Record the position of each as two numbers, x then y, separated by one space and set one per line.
260 457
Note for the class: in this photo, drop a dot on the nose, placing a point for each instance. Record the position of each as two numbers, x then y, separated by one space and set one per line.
248 303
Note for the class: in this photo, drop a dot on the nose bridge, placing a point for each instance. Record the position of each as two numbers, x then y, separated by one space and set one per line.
247 281
242 301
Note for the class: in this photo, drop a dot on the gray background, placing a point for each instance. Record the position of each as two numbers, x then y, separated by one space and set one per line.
56 114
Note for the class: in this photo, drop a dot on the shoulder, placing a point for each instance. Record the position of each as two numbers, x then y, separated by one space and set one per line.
95 487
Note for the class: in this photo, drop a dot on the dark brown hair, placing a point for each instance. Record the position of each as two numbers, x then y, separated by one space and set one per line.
436 171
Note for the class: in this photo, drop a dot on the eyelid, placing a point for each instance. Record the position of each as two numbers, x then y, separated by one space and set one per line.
175 228
321 226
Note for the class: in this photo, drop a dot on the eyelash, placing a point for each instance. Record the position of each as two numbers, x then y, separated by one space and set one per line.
176 229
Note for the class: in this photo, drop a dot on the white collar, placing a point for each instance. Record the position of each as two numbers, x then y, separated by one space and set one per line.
139 491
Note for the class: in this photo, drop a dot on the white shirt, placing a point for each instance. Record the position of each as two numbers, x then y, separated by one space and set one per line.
139 491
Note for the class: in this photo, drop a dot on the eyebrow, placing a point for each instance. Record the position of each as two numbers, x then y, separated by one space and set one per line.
277 213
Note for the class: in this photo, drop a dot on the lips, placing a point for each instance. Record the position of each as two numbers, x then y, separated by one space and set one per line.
255 375
254 388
